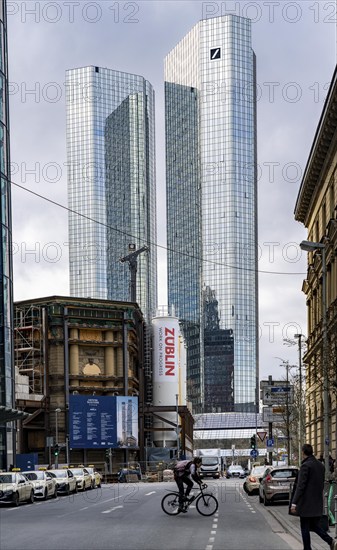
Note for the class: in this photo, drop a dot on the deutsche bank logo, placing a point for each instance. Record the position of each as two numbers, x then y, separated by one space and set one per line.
215 53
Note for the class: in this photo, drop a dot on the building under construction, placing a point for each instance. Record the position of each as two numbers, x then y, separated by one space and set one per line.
66 347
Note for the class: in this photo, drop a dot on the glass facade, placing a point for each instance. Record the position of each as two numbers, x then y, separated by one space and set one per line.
212 206
111 178
6 287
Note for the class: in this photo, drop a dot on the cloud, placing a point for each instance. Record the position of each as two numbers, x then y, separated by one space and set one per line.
135 37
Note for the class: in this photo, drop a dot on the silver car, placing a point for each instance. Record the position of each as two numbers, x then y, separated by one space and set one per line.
276 483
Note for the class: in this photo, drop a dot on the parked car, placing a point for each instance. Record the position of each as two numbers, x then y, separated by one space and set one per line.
96 478
235 471
252 481
65 481
83 478
276 483
43 482
15 488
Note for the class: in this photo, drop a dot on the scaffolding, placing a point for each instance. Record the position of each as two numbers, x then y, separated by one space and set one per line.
29 350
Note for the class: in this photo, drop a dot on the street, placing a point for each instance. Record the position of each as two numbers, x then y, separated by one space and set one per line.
129 517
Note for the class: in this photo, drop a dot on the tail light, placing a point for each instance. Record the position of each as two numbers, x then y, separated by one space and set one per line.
252 479
268 478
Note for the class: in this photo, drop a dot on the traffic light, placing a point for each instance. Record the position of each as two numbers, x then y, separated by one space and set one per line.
56 450
253 442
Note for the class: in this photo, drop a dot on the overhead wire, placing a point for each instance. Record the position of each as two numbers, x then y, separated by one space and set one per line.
120 231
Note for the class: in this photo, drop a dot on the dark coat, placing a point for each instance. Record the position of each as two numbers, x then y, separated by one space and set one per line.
308 495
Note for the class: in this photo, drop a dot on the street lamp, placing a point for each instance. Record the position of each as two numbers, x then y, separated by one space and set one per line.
57 411
310 246
300 413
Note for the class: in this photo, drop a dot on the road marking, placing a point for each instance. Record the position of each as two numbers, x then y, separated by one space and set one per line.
151 493
211 539
86 508
213 532
209 547
111 509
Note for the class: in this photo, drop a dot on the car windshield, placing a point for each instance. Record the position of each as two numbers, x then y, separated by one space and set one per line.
258 470
90 470
235 468
77 471
60 473
283 473
207 461
33 476
7 478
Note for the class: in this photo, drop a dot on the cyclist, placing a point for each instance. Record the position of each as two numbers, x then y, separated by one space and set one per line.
183 471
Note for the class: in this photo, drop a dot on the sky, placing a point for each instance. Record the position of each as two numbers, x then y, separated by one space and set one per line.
295 47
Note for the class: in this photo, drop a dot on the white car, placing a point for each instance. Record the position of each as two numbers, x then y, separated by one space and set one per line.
235 471
43 482
96 478
15 488
83 478
65 481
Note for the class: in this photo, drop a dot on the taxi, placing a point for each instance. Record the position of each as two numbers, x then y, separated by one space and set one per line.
43 482
83 478
96 478
65 480
15 488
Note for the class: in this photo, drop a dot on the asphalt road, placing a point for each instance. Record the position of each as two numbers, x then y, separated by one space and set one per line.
129 517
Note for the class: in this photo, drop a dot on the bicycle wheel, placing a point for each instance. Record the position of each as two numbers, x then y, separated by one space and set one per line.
170 504
206 504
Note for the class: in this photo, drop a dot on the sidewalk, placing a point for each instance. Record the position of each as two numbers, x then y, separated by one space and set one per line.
291 524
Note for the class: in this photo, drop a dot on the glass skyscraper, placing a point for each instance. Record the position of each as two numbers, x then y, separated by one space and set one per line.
7 396
111 179
210 114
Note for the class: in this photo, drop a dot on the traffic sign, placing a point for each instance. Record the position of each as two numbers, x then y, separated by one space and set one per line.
254 453
274 414
270 442
277 395
262 435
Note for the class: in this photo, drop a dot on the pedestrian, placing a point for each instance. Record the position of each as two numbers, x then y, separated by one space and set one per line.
307 501
183 471
321 458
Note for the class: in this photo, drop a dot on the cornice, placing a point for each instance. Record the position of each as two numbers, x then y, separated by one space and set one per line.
325 139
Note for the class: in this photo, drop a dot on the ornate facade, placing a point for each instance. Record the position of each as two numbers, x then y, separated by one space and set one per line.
316 208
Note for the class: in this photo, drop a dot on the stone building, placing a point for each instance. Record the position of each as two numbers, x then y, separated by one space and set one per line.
316 208
72 346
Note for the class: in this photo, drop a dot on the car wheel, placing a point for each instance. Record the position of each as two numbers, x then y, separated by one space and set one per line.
266 501
16 499
31 498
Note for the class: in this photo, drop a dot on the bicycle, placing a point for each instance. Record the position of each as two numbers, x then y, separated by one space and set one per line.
205 503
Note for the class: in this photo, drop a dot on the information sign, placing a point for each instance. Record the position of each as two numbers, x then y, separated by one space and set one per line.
97 422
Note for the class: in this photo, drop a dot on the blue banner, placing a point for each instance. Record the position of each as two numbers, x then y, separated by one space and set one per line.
98 422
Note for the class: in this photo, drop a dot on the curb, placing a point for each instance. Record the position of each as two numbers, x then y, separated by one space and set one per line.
291 528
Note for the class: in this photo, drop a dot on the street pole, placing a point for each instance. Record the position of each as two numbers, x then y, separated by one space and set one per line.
287 413
57 437
310 246
178 441
300 411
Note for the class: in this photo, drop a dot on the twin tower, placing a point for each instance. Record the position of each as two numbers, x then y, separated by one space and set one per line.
211 201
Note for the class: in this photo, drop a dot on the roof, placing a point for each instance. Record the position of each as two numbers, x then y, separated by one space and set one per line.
325 132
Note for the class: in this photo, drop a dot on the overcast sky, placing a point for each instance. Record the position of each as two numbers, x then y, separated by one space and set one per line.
295 46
